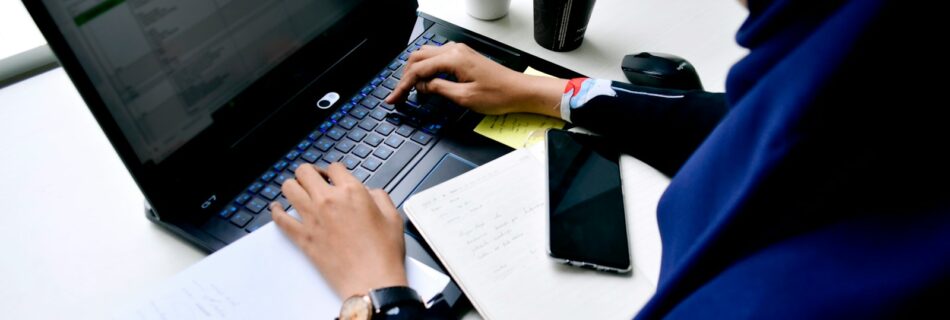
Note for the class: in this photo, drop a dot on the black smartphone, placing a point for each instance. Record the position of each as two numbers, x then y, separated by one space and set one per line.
586 220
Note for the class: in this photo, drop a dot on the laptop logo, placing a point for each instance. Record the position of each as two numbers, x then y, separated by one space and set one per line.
328 100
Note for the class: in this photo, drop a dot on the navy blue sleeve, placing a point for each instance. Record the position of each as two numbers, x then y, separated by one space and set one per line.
658 126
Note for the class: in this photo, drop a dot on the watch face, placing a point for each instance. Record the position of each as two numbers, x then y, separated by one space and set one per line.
356 308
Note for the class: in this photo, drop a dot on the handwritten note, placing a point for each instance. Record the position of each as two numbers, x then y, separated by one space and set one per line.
262 276
518 130
488 226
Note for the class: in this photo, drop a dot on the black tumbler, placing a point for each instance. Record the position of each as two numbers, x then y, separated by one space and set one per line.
559 25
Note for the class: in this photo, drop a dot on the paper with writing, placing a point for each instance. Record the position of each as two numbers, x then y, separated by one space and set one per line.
262 276
488 226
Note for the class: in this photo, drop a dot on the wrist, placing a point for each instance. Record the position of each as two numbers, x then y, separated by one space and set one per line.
541 95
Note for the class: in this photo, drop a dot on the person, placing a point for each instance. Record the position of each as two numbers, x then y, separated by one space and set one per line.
815 187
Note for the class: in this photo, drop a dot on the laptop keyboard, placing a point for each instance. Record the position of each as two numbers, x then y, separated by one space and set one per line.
373 139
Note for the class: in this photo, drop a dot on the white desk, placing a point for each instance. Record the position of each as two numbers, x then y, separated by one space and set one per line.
74 237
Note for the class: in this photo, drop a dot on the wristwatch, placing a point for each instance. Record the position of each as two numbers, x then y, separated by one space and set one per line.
376 302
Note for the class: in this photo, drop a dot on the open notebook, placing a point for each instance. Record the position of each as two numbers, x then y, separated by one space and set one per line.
261 276
488 227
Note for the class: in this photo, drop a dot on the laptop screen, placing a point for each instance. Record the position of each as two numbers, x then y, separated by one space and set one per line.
163 67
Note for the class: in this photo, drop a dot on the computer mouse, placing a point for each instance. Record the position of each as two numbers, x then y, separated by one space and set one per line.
661 70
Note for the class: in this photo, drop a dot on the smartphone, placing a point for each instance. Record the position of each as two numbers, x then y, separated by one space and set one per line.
586 220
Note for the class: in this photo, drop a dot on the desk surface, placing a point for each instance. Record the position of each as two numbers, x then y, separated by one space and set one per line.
75 239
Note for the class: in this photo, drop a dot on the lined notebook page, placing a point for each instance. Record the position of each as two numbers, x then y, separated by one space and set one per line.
489 228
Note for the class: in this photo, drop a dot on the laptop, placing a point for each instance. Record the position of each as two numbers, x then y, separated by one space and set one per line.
211 105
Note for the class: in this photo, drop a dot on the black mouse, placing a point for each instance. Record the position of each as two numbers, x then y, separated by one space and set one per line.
661 70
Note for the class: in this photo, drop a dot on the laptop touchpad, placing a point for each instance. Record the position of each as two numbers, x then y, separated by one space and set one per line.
449 167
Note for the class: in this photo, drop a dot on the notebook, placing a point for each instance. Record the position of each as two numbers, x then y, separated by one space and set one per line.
261 276
488 227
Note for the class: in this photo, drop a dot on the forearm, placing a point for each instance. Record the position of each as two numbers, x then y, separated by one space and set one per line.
659 126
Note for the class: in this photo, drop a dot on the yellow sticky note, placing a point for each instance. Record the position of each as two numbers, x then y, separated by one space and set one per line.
516 129
534 72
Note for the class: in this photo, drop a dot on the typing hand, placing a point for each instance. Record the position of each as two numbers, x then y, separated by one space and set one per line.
353 235
483 85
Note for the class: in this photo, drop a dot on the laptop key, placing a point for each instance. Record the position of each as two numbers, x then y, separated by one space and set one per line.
348 123
268 176
387 106
324 144
372 164
361 174
439 39
350 162
369 102
243 198
227 212
345 146
395 65
255 187
369 124
303 145
270 192
390 83
373 140
283 176
310 156
383 153
292 155
359 112
385 129
404 130
356 135
333 156
293 166
284 203
394 141
241 218
378 114
362 151
421 138
391 167
398 73
335 133
381 93
256 205
280 165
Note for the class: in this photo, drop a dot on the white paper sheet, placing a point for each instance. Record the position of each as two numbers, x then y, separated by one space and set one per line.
262 276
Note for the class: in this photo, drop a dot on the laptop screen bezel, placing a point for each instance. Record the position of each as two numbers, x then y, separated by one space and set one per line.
197 179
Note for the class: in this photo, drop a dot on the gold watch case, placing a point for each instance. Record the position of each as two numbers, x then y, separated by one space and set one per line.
358 307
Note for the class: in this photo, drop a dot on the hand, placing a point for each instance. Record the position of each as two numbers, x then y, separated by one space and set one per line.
483 85
353 235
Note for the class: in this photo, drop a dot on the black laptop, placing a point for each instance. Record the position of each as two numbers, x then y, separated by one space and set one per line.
211 105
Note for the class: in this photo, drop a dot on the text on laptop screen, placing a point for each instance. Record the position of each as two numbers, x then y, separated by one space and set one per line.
164 66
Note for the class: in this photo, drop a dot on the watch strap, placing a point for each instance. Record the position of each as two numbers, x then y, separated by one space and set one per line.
385 298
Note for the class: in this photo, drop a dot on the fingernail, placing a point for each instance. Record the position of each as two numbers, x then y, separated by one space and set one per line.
273 205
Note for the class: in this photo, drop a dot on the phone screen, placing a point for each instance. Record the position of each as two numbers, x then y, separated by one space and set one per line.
586 215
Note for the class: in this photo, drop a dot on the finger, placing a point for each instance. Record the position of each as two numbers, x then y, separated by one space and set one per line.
299 198
293 228
422 70
385 204
457 92
311 180
340 176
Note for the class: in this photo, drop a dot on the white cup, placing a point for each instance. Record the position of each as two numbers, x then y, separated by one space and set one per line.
487 9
